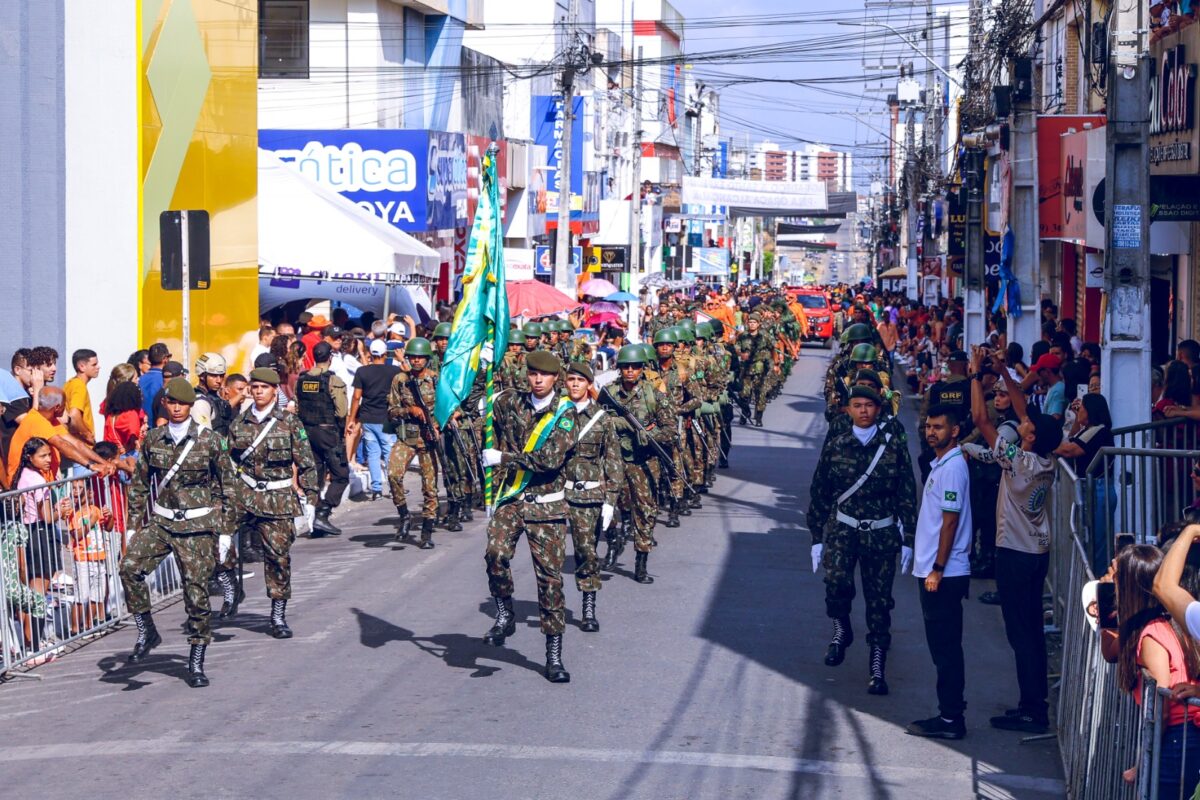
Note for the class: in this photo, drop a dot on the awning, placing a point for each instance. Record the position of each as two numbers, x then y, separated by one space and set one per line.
277 287
895 272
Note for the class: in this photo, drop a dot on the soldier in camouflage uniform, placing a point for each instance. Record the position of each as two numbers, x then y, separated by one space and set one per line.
841 369
691 365
440 339
683 395
724 360
193 488
418 437
536 434
594 474
266 443
862 511
754 349
643 403
715 381
509 364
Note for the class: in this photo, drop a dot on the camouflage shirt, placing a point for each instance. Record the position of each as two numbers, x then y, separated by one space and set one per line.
683 388
645 403
205 479
285 446
754 352
595 459
515 418
402 402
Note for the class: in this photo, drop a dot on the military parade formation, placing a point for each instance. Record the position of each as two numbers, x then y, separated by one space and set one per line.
581 452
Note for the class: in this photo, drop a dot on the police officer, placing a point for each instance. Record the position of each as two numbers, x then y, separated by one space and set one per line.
953 390
594 473
535 432
321 405
411 401
266 442
862 511
210 408
191 506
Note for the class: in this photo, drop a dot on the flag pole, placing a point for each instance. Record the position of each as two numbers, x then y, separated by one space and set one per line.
489 429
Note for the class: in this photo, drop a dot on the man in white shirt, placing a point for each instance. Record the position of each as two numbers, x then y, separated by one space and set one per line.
942 566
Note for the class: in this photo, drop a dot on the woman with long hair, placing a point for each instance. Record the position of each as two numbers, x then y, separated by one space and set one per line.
1090 433
1148 639
121 373
124 419
140 361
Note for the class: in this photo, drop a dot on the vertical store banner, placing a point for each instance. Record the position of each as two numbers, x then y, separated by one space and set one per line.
548 124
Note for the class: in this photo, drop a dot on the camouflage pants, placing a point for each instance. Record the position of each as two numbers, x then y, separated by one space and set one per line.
712 435
195 556
754 392
681 461
277 536
875 554
459 465
402 455
697 458
547 545
637 497
585 532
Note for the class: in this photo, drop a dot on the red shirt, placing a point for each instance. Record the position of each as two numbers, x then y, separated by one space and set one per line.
310 340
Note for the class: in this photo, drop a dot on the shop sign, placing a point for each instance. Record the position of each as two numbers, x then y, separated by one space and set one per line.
1173 140
608 259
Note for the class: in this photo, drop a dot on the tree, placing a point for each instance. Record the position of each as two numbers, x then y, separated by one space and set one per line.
768 262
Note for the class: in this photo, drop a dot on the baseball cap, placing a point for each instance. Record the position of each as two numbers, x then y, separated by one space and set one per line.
399 329
1048 361
378 347
333 332
322 352
174 369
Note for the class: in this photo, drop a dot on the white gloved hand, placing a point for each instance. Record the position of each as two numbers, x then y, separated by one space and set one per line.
906 559
817 550
224 542
491 457
486 353
606 516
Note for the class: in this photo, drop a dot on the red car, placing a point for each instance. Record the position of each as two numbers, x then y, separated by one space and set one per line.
820 315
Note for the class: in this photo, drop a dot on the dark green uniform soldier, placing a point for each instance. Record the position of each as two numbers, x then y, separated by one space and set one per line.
683 395
321 404
862 511
725 411
266 443
636 398
186 469
440 339
594 474
841 368
410 402
755 351
716 382
509 370
536 433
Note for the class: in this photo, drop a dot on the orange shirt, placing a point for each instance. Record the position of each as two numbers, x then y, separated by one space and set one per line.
75 394
34 425
801 317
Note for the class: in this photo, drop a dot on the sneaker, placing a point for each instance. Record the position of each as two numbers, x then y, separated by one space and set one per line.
938 728
1022 722
990 598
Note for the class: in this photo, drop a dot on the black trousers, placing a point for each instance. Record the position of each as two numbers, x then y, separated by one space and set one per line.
1020 580
943 614
985 485
329 450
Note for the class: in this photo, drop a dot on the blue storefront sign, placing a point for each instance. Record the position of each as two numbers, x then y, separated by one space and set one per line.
415 180
548 125
542 265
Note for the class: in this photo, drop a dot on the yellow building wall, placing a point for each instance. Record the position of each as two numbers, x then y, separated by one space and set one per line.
198 139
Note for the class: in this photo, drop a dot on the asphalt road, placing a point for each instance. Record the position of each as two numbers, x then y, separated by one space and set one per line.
707 684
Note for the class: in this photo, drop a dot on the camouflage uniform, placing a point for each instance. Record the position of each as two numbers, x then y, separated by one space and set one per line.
683 393
754 362
544 522
205 479
637 495
593 474
266 494
889 492
717 378
401 405
512 374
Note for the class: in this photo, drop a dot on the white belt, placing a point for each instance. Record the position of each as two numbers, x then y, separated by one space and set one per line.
180 514
544 498
262 486
583 486
866 524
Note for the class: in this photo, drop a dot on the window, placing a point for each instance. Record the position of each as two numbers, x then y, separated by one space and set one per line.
283 38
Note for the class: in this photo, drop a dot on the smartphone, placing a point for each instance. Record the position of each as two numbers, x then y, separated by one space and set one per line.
1106 606
1080 390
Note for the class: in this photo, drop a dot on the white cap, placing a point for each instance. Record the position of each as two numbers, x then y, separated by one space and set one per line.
398 329
378 347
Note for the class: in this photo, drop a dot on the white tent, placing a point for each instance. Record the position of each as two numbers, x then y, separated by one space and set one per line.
315 243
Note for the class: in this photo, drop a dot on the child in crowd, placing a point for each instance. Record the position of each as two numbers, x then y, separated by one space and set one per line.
86 524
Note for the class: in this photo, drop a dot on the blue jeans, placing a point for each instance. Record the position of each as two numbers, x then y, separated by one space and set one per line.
379 449
1104 506
1171 762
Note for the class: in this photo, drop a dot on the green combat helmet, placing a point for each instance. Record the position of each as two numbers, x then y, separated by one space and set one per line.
532 330
648 352
687 334
562 326
666 336
704 331
858 332
420 346
863 353
442 331
631 354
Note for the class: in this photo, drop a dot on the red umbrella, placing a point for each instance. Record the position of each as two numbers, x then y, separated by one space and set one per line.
536 299
604 318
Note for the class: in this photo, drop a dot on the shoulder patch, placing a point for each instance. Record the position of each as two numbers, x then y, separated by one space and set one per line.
951 497
302 434
566 424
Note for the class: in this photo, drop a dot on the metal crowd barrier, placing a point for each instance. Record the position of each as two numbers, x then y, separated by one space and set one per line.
61 545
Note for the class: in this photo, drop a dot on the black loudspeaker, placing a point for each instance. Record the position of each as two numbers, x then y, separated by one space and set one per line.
1002 100
170 230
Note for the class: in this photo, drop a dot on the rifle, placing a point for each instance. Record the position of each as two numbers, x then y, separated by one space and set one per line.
456 440
612 402
428 432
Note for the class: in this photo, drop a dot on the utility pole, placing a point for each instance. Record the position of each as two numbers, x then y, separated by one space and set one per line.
1126 355
635 201
1023 217
974 312
564 276
910 179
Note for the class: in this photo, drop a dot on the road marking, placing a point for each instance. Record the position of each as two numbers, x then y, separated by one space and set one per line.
784 764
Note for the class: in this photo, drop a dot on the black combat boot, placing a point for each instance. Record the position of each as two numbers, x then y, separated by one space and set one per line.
505 625
758 419
321 522
639 569
694 501
232 595
426 534
279 627
700 488
147 638
742 418
465 514
402 524
452 517
196 677
843 637
555 671
614 549
672 513
877 684
589 624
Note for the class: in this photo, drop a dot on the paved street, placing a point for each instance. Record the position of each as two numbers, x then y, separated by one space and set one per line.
707 684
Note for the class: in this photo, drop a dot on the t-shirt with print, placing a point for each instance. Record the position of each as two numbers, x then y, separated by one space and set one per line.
1025 479
948 488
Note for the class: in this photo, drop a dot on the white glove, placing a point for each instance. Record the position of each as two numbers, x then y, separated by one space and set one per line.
224 542
606 516
817 550
491 457
906 559
486 353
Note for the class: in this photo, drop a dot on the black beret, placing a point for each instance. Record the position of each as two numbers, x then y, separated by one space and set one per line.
868 393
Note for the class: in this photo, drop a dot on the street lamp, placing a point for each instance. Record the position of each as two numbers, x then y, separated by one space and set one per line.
910 43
